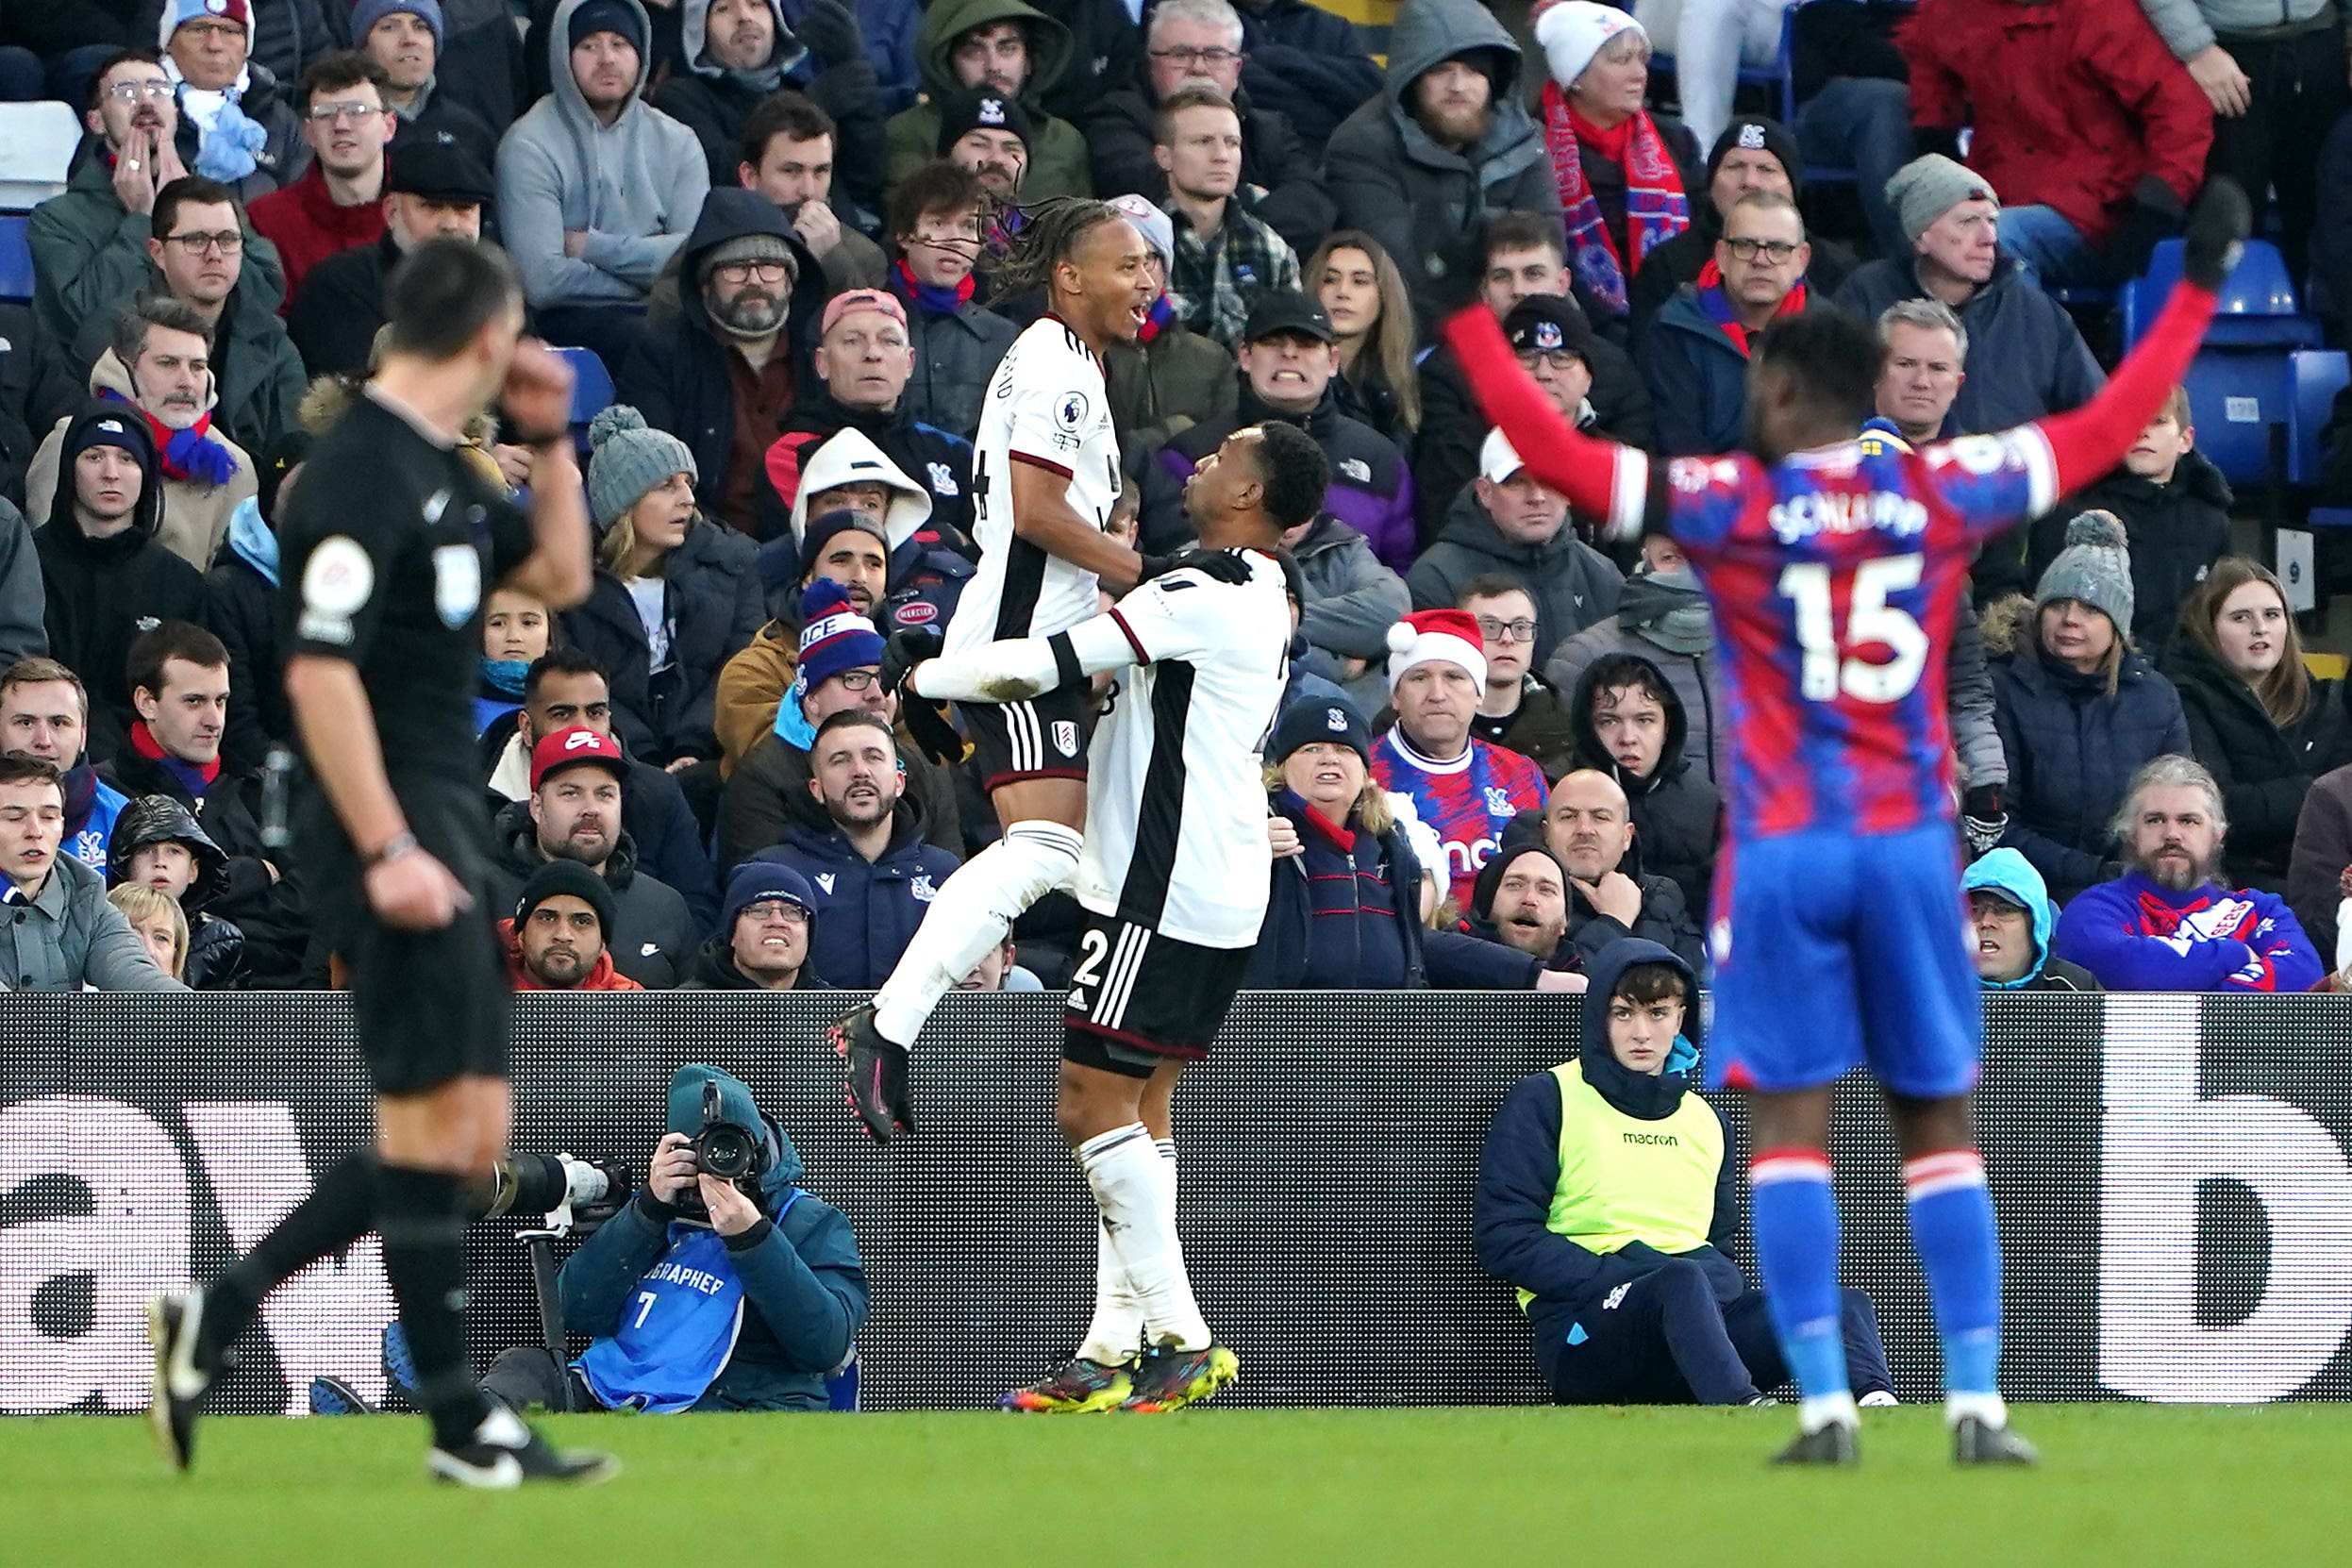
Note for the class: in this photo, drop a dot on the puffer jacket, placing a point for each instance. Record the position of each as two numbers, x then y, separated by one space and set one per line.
2263 771
652 933
2072 746
1678 812
216 947
1426 205
68 938
714 607
1574 585
2176 531
1058 161
1370 491
867 912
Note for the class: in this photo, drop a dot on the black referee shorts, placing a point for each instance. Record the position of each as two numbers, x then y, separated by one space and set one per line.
1043 737
1140 997
430 1006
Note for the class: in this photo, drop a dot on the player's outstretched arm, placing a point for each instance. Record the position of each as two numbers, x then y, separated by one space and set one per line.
2089 442
1600 479
1166 618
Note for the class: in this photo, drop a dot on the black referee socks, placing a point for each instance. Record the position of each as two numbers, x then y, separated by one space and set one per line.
422 1217
339 1210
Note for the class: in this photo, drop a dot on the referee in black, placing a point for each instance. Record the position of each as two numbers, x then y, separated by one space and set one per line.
388 545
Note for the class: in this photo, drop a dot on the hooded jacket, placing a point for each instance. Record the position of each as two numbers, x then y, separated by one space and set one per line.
1653 606
2263 771
2072 746
867 912
2007 872
1120 133
1677 811
679 378
602 975
715 102
1697 375
955 356
1372 491
100 594
1058 162
1160 388
1573 584
2175 531
1519 1172
931 464
634 187
712 605
20 592
2026 356
90 252
714 968
804 1285
1351 600
652 934
1426 204
258 379
2136 935
68 938
216 947
194 517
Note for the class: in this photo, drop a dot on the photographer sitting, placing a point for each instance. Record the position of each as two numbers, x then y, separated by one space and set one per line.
703 1294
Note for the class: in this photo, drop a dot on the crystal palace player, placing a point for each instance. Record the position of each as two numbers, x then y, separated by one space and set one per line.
1174 886
1835 577
1044 476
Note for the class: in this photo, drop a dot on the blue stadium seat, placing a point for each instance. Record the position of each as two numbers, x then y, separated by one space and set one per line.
592 390
2257 309
2234 399
16 260
2315 378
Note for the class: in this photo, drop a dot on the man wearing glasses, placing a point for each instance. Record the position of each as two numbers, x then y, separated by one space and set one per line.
1516 710
89 243
1696 355
1190 43
339 202
246 135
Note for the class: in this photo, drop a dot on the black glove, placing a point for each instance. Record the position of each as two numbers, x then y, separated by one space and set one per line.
935 734
2152 215
2215 237
1226 566
906 647
1982 821
877 1085
1928 139
831 30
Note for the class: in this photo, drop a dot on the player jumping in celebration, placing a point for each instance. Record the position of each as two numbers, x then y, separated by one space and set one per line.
1044 475
390 544
1174 885
1837 935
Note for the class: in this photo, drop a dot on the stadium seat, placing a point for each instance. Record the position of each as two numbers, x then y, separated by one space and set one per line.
2315 378
16 260
37 143
2234 400
592 390
2258 309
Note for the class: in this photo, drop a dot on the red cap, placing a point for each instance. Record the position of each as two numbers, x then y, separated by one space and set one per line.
568 747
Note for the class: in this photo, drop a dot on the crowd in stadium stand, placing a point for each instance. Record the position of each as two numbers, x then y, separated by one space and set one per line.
771 222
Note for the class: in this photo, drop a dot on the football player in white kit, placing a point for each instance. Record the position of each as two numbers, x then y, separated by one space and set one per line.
1046 472
1174 885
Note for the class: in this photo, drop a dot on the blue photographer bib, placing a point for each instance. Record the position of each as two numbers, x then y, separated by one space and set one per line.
677 1329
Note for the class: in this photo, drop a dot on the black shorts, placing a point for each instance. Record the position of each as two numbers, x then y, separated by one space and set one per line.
1043 737
430 1006
1140 997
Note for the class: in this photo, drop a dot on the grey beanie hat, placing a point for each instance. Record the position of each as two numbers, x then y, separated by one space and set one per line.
747 247
627 461
1926 188
2095 568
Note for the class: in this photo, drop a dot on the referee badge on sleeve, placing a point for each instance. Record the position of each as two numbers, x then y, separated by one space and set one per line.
335 588
456 584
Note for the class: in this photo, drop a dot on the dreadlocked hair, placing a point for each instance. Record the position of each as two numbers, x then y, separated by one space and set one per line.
1034 237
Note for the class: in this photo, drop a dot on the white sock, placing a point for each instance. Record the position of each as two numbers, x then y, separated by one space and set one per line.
1132 1191
1988 1407
1117 1328
1827 1410
968 917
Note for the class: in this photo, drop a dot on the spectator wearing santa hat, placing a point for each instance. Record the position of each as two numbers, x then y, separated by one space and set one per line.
1462 786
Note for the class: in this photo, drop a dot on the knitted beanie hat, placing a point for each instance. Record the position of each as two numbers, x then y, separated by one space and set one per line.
2095 568
627 461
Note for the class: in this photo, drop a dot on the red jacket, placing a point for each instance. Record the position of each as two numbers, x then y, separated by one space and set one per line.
306 227
603 978
2073 102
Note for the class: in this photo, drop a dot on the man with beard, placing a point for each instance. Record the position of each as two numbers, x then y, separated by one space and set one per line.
740 53
1445 146
875 874
763 943
788 154
158 370
1521 900
723 375
575 814
556 939
87 259
2166 924
1588 824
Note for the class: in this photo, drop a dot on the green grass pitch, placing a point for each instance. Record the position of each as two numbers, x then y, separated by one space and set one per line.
2255 1487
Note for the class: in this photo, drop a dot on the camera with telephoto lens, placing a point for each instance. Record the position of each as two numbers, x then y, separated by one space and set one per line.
573 1194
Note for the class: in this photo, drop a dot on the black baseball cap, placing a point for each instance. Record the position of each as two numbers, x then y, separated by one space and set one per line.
1280 310
437 169
1546 324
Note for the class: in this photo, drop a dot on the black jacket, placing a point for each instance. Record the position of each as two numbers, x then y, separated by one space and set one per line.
1119 134
100 594
1367 472
1677 813
713 608
1105 48
1310 60
714 968
1665 918
337 311
652 935
240 609
678 377
1680 260
2176 530
216 948
716 109
2263 771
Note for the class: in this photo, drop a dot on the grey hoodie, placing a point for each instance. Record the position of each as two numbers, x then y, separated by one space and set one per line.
635 187
2187 26
1573 584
